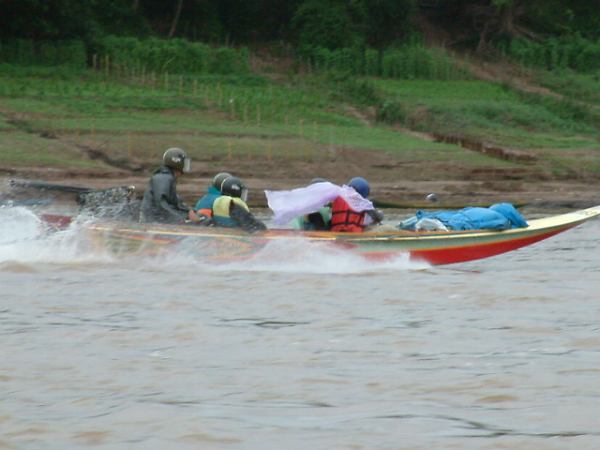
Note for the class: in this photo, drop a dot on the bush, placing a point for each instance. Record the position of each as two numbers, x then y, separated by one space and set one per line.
329 24
406 62
173 56
227 60
572 52
372 64
392 112
347 87
48 53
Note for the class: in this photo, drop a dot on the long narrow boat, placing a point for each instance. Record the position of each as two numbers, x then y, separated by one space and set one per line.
440 247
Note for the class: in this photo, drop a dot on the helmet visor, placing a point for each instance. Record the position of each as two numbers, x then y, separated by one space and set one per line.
244 195
187 165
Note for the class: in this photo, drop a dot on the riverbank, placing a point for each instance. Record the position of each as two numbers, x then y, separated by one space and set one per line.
406 191
472 141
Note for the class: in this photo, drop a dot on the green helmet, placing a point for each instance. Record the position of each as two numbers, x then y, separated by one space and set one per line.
176 158
218 179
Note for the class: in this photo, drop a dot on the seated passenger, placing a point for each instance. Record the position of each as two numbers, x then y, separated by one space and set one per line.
205 203
316 221
230 209
346 219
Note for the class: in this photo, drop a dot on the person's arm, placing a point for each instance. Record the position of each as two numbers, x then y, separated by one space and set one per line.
375 216
245 220
181 205
199 219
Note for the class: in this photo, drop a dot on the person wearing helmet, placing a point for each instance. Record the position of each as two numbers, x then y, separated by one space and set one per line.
316 221
205 203
230 209
161 202
345 219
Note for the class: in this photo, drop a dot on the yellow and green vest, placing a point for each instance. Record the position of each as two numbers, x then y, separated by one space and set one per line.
220 210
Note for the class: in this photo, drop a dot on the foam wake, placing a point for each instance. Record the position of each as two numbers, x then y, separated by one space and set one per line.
25 240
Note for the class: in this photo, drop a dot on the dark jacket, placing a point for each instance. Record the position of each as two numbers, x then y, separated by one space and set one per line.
161 202
245 219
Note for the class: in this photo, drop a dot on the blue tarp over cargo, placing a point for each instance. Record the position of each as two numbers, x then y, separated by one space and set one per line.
500 216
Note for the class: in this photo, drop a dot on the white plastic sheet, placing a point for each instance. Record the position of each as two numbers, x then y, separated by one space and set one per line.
287 205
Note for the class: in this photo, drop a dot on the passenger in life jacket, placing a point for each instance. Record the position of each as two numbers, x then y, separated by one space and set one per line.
205 203
316 221
161 202
230 209
345 219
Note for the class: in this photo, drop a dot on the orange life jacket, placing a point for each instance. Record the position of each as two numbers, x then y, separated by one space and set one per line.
205 211
343 218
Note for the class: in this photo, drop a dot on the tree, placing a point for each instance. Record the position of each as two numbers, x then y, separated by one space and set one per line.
67 19
330 23
274 18
175 18
388 20
482 22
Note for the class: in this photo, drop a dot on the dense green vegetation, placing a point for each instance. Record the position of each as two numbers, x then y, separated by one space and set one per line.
307 118
406 61
572 52
298 80
367 37
287 122
307 23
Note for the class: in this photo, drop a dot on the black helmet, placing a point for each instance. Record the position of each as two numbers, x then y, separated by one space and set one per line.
219 178
176 158
234 187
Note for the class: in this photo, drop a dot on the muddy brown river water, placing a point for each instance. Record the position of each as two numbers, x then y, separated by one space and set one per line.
297 348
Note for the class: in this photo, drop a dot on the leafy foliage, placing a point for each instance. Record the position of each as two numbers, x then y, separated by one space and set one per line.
27 52
315 24
572 52
329 24
407 62
175 56
128 53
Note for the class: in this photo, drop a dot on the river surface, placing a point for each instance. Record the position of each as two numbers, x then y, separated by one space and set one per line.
296 349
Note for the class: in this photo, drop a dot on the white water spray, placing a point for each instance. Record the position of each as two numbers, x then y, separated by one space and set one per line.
307 256
24 239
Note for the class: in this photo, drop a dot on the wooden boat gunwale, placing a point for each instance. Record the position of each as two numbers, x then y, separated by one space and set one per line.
570 219
435 247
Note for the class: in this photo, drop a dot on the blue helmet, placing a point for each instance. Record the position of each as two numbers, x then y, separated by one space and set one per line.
360 185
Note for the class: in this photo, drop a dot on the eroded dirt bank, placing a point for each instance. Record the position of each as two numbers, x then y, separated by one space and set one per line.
394 183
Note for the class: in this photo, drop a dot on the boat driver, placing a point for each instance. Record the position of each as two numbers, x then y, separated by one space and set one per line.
161 202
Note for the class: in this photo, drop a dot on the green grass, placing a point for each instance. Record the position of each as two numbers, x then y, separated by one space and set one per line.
491 112
4 125
24 149
429 91
576 86
247 116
